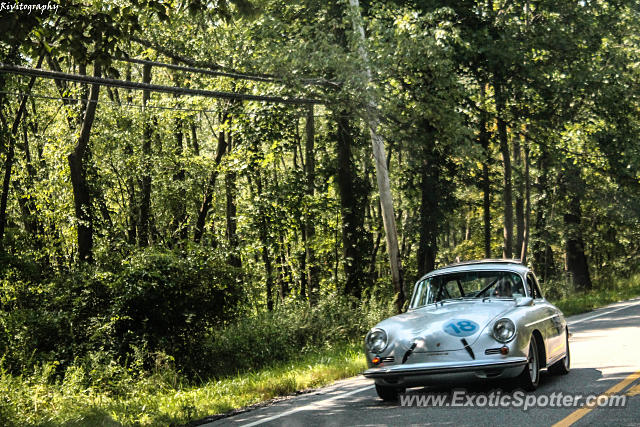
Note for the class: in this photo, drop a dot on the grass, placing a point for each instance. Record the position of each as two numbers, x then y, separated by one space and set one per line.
110 395
604 292
161 398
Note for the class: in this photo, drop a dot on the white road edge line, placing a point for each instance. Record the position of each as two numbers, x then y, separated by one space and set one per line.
305 407
339 396
601 314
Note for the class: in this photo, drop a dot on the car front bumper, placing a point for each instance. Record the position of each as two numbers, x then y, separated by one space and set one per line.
415 371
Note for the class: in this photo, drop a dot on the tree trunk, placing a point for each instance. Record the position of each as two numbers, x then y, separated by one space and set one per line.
374 256
179 222
576 259
84 93
486 208
302 260
61 85
264 239
132 236
194 139
8 165
542 252
28 202
284 276
309 227
517 160
527 197
208 191
506 161
486 183
145 185
269 273
427 245
352 193
467 226
231 212
81 192
577 265
382 173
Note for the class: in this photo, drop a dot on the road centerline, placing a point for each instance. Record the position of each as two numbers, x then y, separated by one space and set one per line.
579 413
621 375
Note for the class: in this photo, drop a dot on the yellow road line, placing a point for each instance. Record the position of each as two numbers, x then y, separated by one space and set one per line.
575 416
634 391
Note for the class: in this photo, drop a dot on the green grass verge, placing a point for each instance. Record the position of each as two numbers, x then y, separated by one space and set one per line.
603 293
165 398
161 399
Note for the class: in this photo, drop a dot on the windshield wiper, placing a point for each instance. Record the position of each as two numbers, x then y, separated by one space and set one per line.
493 282
442 301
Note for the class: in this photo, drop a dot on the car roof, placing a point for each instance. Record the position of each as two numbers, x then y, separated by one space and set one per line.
481 265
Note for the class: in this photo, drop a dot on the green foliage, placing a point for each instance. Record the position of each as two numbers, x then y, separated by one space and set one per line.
253 342
155 310
151 302
606 291
163 302
272 354
87 396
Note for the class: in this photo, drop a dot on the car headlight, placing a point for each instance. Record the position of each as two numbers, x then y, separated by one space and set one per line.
376 340
504 330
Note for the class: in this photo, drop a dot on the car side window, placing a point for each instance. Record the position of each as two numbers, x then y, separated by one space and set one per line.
532 286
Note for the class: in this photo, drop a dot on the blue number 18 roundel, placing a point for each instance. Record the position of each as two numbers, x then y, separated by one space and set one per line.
460 327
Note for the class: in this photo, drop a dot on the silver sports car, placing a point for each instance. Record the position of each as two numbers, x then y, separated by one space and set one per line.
472 320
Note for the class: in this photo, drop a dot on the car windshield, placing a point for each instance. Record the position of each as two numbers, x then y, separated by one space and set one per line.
469 284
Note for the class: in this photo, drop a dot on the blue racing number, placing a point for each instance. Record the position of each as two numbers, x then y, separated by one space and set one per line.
460 327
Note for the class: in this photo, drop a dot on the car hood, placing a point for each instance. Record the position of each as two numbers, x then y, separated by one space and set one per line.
443 327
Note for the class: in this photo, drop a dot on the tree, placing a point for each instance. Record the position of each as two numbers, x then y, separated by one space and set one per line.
81 191
380 159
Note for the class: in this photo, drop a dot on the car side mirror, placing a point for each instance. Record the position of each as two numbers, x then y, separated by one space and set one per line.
524 302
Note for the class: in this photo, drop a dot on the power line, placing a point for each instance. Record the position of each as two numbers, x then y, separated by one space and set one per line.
139 106
230 71
234 75
16 69
192 62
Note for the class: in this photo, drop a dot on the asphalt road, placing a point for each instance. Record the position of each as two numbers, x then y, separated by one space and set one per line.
605 350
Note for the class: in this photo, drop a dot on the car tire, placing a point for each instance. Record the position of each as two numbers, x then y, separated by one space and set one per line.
530 376
388 394
562 367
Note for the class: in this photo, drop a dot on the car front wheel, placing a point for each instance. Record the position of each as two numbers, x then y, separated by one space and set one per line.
389 394
530 375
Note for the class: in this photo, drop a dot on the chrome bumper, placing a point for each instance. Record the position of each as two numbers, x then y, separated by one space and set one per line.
433 368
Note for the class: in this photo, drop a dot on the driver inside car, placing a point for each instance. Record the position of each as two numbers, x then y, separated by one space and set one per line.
503 288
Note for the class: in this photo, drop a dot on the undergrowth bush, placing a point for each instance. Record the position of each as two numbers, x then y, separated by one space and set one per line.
140 342
91 394
166 303
252 342
149 303
605 290
178 307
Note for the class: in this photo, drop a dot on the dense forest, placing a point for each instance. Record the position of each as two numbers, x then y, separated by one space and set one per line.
171 167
